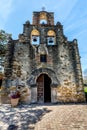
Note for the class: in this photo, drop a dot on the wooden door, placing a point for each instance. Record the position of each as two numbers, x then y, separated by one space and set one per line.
43 88
40 88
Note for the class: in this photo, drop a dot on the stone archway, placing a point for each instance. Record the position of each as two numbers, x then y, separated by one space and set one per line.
34 75
43 88
32 82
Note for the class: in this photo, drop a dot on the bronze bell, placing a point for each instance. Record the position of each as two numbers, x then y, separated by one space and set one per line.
34 39
50 40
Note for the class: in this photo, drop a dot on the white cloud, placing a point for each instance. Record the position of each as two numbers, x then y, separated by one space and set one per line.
5 10
64 7
81 32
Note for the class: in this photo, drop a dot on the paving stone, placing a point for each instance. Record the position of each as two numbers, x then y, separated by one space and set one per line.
44 117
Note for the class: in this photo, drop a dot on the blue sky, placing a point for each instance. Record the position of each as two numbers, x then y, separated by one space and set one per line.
71 13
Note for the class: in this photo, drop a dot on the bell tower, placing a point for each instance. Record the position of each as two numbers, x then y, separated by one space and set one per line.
43 30
43 17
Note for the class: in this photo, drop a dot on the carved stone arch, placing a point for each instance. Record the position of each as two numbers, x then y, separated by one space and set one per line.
34 75
43 15
35 28
51 33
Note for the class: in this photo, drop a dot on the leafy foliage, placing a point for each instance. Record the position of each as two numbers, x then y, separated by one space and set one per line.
4 38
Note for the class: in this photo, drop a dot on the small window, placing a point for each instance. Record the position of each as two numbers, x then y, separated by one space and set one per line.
43 58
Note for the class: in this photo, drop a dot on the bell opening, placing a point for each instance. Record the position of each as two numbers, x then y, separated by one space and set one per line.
50 40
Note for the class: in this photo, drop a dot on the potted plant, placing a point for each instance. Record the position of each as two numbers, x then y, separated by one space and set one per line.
14 96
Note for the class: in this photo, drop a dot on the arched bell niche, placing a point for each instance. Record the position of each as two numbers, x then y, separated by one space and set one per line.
51 37
43 18
35 37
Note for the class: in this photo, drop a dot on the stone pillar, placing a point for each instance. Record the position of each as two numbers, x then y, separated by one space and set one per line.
35 18
33 94
53 95
78 64
9 59
79 79
42 36
59 33
26 30
50 20
6 83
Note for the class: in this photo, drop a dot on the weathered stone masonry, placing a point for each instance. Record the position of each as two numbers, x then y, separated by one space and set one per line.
50 67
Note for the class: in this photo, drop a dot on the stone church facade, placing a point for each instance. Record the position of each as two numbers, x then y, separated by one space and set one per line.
45 61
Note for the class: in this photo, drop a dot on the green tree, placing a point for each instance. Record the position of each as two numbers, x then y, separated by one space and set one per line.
4 38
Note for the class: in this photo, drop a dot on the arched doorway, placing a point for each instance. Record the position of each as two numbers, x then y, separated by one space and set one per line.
43 88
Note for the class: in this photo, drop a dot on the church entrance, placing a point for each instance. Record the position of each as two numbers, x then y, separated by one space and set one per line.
43 88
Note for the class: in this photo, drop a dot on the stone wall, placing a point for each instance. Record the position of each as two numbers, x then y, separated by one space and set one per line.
26 59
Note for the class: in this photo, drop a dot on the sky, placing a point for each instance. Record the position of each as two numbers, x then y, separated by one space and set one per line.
71 13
